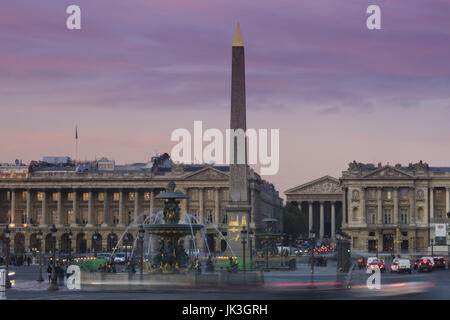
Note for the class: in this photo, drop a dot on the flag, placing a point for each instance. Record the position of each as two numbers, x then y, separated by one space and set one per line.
76 133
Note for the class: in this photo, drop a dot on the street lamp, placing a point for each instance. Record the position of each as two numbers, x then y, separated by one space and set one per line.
291 241
39 237
376 246
250 240
126 239
244 242
313 246
111 239
7 233
432 247
266 243
141 248
53 285
95 238
70 236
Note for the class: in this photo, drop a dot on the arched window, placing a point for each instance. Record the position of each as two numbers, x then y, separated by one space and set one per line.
49 241
111 242
96 242
19 243
65 243
34 242
81 243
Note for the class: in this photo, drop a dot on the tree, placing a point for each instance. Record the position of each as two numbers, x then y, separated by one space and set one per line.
295 222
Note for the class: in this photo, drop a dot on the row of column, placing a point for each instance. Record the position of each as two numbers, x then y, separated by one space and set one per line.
395 199
322 218
201 207
447 201
106 207
59 208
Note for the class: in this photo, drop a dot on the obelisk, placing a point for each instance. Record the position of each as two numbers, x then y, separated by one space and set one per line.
238 208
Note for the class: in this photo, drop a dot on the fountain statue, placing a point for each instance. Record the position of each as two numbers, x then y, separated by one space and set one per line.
171 256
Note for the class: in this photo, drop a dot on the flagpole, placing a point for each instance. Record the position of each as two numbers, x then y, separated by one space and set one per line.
76 143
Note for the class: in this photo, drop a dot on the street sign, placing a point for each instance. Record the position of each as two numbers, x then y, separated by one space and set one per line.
440 230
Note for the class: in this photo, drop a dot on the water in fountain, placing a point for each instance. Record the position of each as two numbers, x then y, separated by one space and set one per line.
132 224
170 227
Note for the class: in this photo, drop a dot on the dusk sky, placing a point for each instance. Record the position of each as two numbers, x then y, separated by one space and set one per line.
137 70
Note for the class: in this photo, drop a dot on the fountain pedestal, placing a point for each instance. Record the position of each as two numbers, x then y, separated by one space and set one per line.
238 216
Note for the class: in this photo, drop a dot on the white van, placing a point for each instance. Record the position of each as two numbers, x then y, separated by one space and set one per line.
401 265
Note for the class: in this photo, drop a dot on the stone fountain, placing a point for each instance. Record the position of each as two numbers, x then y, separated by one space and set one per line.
170 266
171 256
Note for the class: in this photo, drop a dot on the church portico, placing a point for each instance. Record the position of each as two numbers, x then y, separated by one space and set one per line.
320 200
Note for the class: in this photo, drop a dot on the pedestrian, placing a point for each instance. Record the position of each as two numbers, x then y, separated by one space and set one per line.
60 273
29 260
49 272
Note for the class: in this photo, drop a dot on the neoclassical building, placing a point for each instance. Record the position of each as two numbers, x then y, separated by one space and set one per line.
396 205
384 208
103 198
321 200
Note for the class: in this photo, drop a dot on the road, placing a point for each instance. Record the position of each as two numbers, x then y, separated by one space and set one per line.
284 285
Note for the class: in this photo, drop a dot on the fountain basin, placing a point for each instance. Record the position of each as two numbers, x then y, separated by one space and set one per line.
172 230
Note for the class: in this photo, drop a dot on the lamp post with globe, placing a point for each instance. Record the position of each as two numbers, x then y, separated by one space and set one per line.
39 237
244 242
53 284
6 234
141 249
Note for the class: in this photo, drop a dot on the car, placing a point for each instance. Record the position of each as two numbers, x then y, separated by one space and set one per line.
361 262
416 263
425 265
119 257
301 250
439 263
429 259
193 252
376 265
401 265
382 265
371 259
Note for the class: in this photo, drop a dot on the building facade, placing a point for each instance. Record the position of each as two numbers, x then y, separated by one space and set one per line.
104 199
321 201
403 206
386 208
